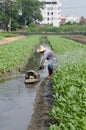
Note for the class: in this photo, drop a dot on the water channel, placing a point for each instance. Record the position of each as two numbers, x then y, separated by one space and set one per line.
17 100
16 104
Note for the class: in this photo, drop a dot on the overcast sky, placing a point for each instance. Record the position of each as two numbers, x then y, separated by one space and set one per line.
74 7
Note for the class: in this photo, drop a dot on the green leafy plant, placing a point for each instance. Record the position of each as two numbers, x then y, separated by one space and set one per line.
69 85
13 54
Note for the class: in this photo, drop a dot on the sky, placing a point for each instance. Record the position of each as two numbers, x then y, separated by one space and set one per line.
74 8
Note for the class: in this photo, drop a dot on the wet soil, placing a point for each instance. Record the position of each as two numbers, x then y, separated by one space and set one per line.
43 105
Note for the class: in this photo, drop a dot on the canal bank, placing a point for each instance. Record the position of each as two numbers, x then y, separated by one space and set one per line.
43 104
21 104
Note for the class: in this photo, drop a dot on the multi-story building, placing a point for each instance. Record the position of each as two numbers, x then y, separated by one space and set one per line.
51 12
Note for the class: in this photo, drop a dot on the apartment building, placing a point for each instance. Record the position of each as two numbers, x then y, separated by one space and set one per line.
51 12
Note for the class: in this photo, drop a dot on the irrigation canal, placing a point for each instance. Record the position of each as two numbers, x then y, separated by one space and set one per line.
17 100
16 104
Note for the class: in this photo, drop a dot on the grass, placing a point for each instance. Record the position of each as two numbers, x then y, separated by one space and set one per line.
7 34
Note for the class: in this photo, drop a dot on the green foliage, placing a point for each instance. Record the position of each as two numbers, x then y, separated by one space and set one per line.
41 29
14 25
69 85
9 11
31 11
54 127
63 28
66 45
32 27
72 28
48 29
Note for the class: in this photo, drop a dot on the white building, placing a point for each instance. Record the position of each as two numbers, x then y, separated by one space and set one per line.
72 19
51 12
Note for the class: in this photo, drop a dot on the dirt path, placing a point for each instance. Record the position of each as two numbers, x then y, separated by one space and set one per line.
10 39
43 105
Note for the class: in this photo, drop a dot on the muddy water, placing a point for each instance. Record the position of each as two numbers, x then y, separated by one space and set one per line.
16 104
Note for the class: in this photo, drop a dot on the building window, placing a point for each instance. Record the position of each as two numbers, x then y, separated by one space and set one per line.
54 2
50 2
47 13
47 18
47 2
51 13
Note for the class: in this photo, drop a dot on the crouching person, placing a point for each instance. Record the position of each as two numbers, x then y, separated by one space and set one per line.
48 55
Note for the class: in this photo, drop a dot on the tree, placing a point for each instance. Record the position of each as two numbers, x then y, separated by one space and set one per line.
82 20
9 13
29 9
31 12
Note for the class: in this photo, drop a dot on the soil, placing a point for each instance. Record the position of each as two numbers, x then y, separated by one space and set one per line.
43 105
44 99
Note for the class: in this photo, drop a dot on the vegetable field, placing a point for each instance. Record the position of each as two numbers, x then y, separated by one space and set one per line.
13 54
69 80
69 85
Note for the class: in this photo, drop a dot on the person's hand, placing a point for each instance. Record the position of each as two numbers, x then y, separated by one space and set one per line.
41 67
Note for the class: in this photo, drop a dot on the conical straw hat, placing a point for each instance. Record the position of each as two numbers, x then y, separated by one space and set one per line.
41 49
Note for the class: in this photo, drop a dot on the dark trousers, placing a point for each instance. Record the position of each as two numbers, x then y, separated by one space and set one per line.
50 69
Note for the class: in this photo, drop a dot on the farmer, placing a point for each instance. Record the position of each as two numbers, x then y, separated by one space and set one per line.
47 54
